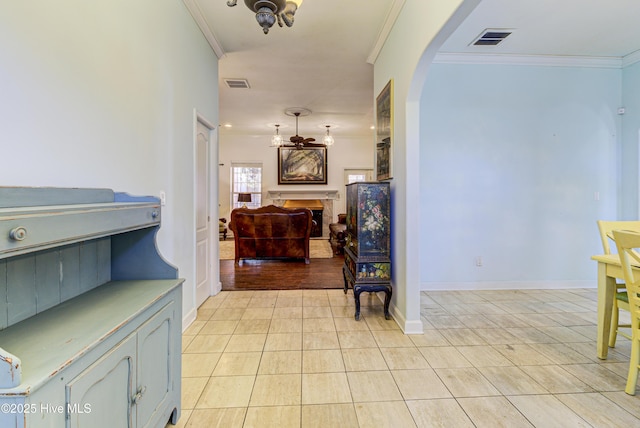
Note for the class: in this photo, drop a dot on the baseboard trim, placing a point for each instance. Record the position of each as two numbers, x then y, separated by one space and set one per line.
507 285
189 318
407 327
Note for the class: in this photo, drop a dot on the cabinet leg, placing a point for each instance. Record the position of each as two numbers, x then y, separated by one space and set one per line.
387 300
346 283
356 297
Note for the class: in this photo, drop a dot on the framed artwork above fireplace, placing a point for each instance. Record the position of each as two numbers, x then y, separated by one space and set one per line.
307 165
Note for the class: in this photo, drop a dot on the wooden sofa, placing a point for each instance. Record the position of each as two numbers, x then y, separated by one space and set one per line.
271 232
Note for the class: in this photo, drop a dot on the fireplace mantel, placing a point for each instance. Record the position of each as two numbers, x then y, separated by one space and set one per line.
284 194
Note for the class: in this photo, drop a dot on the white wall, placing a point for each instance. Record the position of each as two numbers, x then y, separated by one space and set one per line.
348 152
416 35
512 158
102 94
629 196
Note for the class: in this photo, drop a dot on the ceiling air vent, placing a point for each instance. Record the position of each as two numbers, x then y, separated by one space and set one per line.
237 83
491 37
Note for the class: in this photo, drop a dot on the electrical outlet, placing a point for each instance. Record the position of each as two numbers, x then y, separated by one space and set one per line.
163 198
478 261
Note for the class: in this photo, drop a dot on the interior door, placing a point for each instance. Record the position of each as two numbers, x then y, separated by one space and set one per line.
203 233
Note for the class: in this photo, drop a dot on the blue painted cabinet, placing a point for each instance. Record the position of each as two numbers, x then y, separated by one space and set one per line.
142 365
90 324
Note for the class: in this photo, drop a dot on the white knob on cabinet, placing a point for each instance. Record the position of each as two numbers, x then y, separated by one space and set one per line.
18 233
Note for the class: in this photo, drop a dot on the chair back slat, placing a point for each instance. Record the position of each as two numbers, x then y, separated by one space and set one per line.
607 227
627 243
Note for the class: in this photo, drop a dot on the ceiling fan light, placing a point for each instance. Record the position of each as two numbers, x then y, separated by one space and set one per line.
277 140
269 11
328 139
265 18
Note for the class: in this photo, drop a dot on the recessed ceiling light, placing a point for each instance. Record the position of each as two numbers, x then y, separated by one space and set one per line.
227 125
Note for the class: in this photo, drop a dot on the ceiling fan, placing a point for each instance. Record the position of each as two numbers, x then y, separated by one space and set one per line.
296 141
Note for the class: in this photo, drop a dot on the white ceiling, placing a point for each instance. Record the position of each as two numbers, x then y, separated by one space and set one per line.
321 62
594 28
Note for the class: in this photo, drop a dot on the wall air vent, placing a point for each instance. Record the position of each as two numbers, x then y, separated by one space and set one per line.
237 83
491 37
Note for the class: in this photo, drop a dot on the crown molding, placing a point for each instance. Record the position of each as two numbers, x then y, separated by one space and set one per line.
531 60
394 11
630 59
198 17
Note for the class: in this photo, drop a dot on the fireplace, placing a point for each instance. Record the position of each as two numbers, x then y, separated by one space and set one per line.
324 197
316 208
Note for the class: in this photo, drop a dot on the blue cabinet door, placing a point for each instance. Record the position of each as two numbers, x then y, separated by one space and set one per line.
101 396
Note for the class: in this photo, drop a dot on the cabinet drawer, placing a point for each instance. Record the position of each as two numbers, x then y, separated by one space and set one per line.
367 270
39 228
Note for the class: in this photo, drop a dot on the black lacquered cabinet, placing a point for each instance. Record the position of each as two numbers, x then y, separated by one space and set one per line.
367 263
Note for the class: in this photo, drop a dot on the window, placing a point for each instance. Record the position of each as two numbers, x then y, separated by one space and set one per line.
354 178
246 178
354 175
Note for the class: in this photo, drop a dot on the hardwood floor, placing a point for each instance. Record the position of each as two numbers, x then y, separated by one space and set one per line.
282 274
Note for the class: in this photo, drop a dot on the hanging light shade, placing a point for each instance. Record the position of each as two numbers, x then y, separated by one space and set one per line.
328 139
268 11
277 140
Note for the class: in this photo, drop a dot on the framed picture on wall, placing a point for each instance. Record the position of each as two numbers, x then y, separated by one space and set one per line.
384 133
307 165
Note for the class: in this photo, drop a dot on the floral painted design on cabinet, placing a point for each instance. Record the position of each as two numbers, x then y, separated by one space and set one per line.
368 218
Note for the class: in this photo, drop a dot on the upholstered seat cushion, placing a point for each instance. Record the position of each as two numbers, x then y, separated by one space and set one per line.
271 232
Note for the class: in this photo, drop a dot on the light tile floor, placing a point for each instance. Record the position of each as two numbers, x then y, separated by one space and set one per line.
523 358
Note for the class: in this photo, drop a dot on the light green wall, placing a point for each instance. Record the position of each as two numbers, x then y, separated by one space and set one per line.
517 164
102 94
416 35
629 170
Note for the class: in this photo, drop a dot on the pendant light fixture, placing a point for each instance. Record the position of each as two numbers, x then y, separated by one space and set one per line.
328 139
277 140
